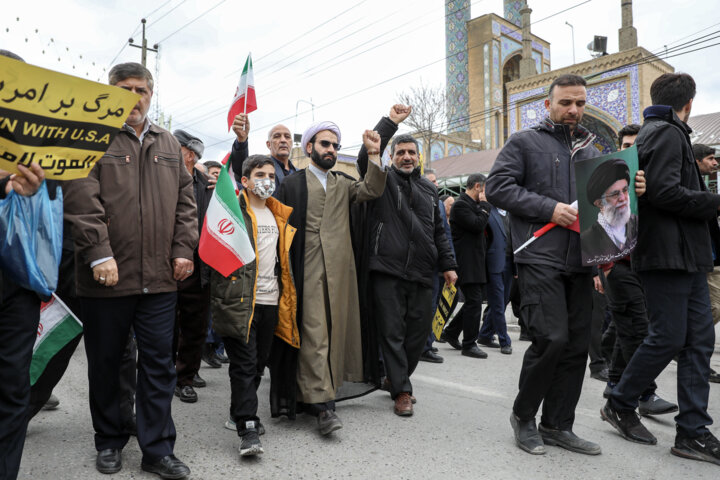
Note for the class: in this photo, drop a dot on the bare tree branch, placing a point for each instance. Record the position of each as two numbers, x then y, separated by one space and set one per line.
429 116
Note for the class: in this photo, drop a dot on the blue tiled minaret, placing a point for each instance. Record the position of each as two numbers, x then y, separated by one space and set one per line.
512 11
457 14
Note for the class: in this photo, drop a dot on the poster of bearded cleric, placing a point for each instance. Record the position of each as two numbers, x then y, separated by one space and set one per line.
607 206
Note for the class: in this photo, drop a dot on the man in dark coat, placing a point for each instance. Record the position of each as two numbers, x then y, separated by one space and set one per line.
614 234
468 222
500 269
407 243
673 256
193 302
708 164
534 179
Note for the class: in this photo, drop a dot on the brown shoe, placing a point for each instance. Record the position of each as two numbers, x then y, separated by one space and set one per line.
403 405
386 387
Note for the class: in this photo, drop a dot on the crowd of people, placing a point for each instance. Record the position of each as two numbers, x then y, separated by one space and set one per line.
347 274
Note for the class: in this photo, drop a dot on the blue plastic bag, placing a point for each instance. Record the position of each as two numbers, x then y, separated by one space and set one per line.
31 230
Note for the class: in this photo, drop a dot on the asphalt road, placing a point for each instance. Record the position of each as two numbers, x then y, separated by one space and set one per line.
460 430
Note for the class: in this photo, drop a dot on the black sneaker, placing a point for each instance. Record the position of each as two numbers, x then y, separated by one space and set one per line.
250 444
705 448
628 424
714 376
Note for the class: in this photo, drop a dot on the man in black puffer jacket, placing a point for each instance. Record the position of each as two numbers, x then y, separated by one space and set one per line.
674 253
407 242
534 179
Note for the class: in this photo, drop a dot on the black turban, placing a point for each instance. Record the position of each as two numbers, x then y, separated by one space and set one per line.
607 173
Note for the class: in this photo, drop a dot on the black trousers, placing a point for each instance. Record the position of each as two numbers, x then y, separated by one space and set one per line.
247 364
403 312
681 324
191 323
19 318
468 317
557 307
627 304
599 310
107 327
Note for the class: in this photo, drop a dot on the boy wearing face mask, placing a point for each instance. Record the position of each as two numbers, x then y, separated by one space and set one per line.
257 301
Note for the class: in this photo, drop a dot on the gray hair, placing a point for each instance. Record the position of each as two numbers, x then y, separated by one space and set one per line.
122 71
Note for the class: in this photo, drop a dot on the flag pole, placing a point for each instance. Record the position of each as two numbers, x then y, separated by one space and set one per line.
249 65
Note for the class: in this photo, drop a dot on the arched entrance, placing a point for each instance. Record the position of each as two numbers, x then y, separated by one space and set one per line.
603 126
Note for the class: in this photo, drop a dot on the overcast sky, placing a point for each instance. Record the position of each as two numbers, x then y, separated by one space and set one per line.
350 59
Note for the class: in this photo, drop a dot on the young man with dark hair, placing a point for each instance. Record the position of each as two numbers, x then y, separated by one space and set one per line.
708 164
258 300
673 256
213 168
629 325
533 178
627 135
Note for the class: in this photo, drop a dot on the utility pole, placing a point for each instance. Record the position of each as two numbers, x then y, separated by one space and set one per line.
572 29
144 46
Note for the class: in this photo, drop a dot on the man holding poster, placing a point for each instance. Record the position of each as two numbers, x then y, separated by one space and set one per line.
533 178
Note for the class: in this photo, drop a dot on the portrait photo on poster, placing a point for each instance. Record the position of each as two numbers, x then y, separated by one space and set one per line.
607 206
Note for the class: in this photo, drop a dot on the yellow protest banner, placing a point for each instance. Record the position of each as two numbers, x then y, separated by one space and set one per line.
445 307
63 123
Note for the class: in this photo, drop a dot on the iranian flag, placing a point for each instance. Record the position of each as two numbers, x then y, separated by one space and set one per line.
58 325
244 100
224 241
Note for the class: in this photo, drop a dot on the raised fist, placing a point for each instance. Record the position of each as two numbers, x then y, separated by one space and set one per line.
399 112
371 140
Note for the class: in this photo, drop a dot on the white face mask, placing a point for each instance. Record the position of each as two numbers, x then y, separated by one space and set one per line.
264 187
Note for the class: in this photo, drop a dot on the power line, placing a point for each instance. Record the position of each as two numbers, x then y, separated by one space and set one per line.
166 13
278 86
158 8
258 60
207 115
195 19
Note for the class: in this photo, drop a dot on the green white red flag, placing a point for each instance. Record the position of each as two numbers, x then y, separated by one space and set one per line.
244 100
58 325
224 241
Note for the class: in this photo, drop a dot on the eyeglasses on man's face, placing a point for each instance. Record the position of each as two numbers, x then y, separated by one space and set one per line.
327 143
616 193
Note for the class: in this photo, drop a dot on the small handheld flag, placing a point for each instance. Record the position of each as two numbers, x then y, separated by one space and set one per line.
224 242
244 100
575 226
